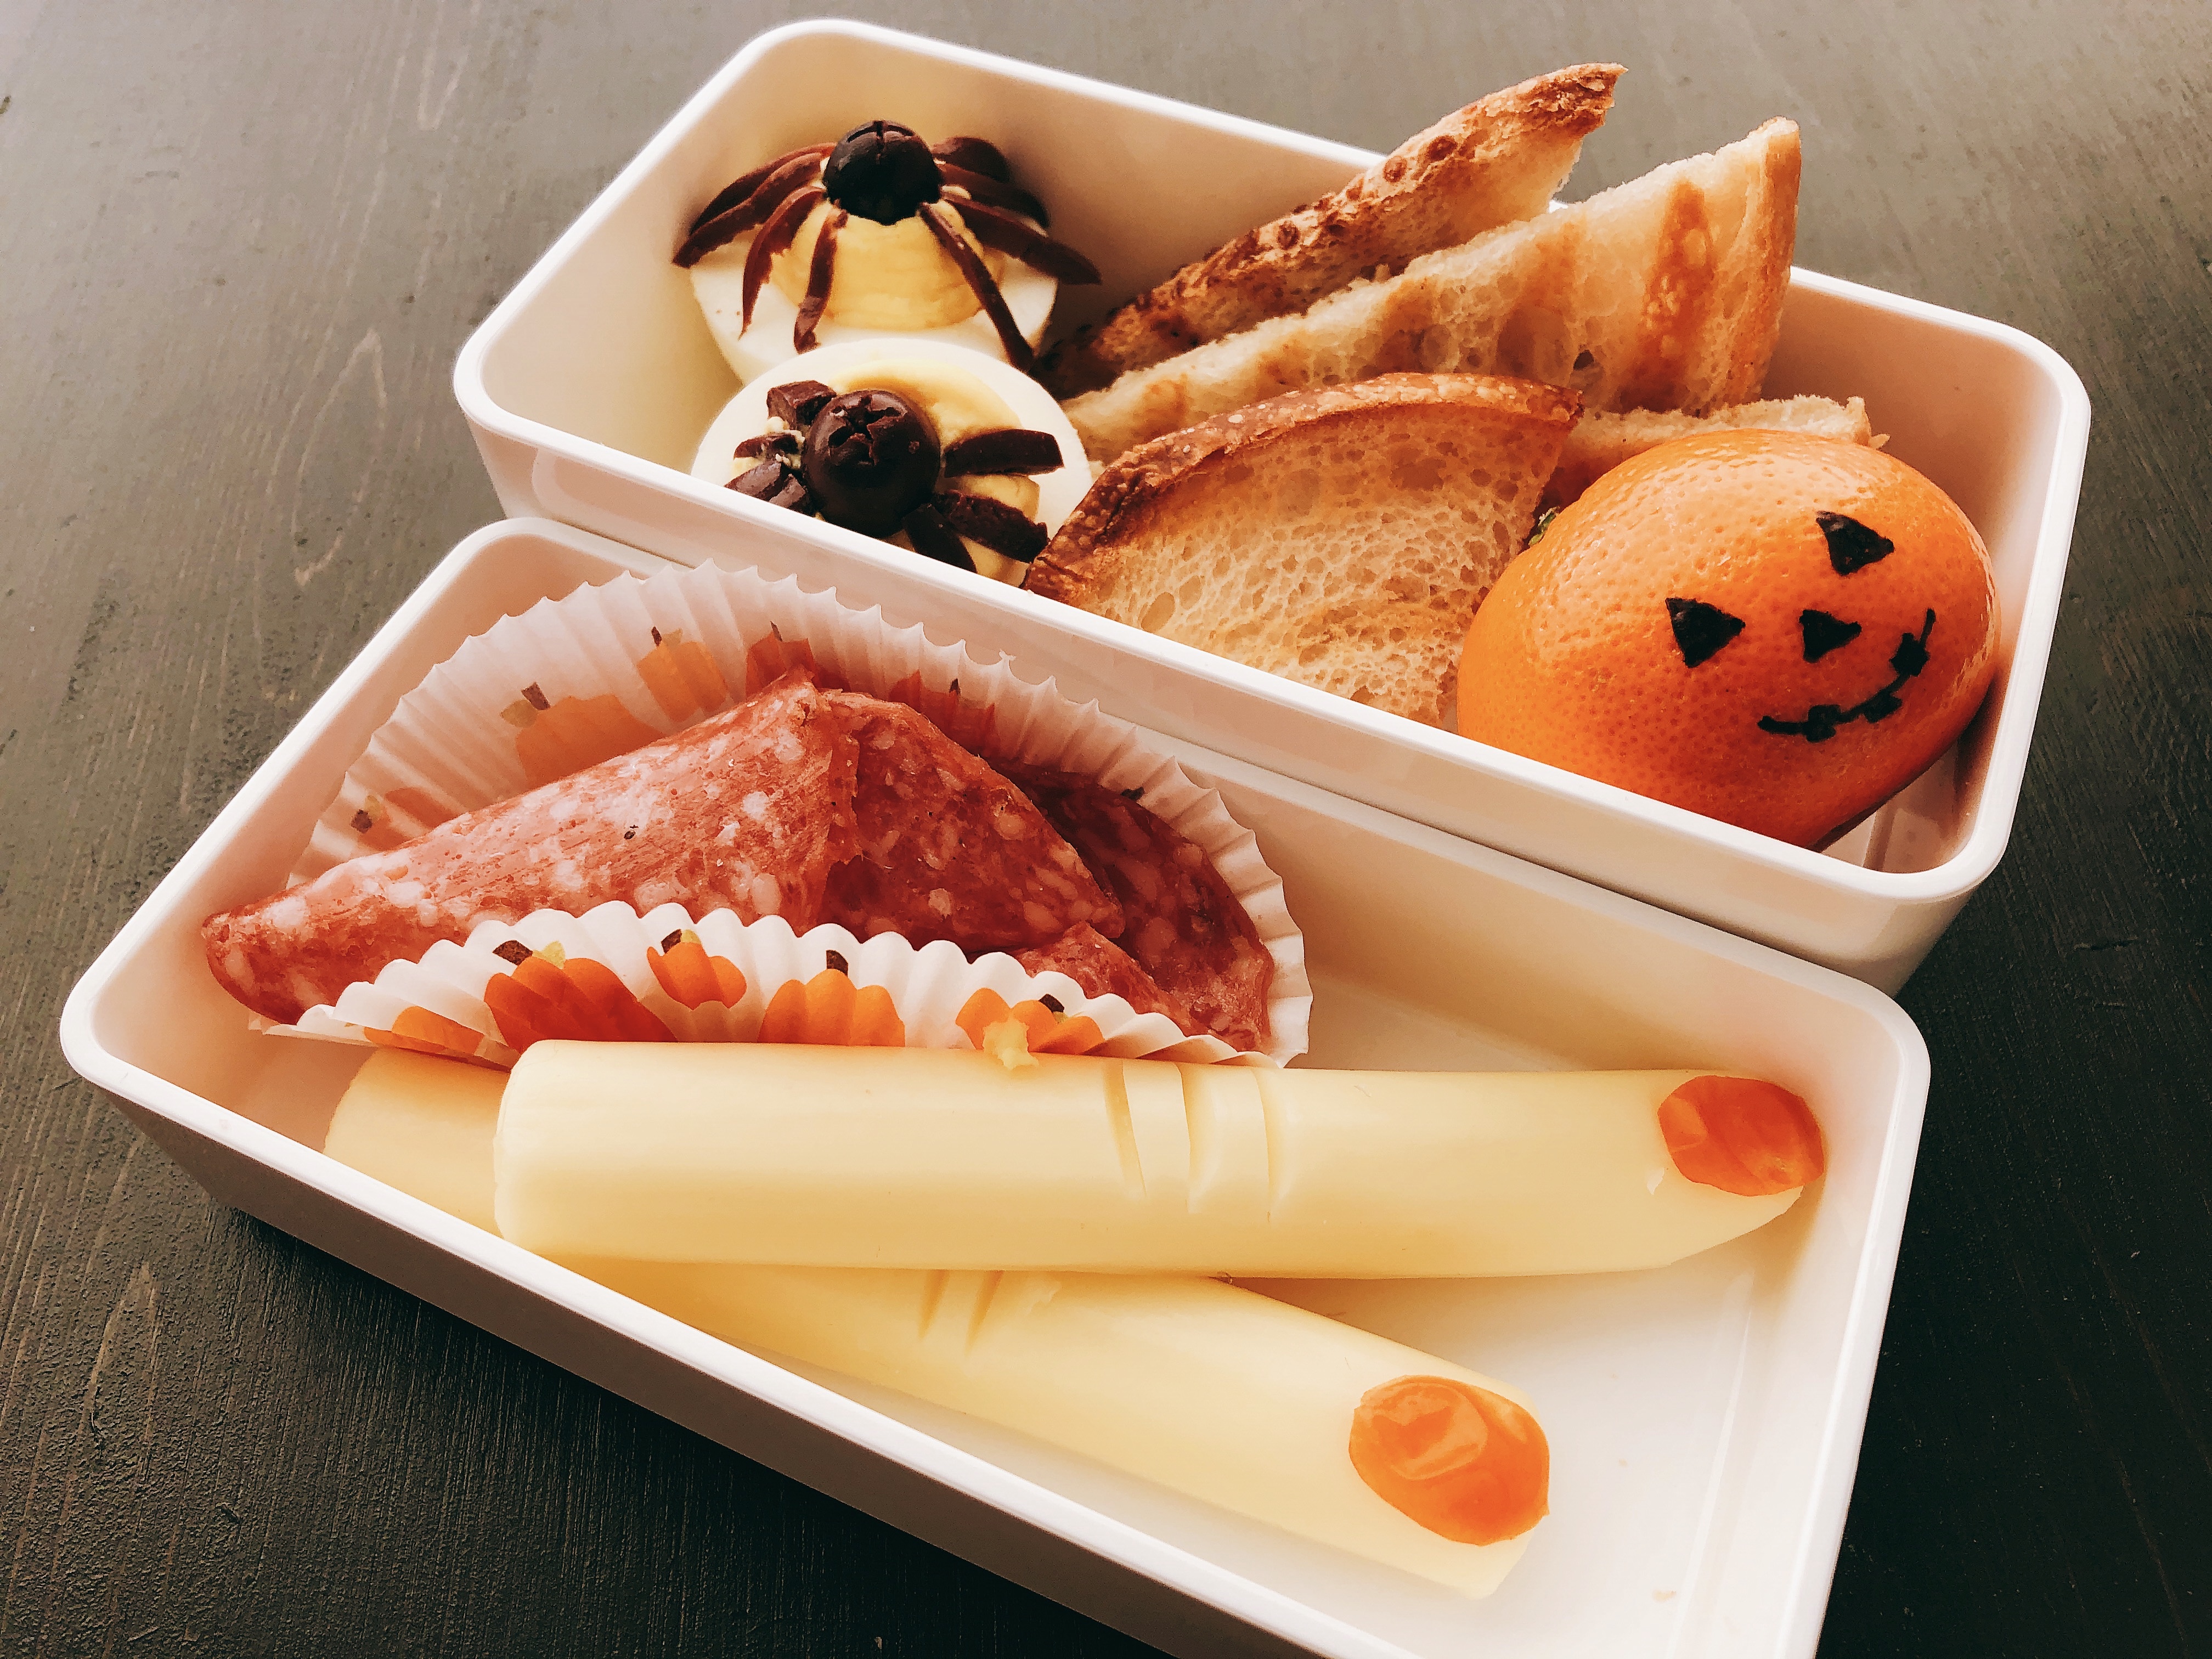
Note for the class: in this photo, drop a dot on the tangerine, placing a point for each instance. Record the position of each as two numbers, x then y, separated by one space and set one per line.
1774 629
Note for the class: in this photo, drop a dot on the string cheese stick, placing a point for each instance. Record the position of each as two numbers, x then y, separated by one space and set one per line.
1217 1392
424 1126
939 1158
1227 1396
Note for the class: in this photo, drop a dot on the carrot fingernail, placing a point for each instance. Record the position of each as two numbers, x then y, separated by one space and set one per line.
1741 1135
1466 1463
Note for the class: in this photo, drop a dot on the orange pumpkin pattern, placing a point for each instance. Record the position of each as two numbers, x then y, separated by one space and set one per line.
772 656
421 1031
991 1025
549 997
557 739
397 815
972 725
831 1011
691 976
682 677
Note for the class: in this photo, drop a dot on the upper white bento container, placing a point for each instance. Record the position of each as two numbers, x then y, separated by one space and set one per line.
588 388
1704 1419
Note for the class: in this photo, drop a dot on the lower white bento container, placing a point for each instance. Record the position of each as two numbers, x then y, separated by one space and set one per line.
588 389
1705 1419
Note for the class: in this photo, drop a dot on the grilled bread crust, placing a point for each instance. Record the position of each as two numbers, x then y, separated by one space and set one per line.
1496 161
1664 293
1341 537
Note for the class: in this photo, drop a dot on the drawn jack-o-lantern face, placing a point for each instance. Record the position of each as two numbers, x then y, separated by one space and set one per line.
1702 631
1773 629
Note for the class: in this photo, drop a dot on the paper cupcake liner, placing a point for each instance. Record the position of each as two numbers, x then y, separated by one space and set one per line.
611 975
577 680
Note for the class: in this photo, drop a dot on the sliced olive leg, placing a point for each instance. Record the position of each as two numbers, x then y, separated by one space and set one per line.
995 228
975 154
934 538
1008 449
942 225
1009 533
818 275
774 236
984 188
728 227
739 188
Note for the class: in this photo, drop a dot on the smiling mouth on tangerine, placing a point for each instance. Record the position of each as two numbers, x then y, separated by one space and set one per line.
1823 720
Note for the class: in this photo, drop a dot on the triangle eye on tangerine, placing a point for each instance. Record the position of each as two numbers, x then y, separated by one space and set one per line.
1701 629
1823 633
1852 546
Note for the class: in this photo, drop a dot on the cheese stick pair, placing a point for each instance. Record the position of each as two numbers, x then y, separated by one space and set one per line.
1231 1398
948 1160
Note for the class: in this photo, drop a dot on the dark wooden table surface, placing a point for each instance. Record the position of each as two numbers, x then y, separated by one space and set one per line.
240 246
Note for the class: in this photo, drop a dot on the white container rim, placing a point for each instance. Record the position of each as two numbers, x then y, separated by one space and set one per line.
1970 863
1079 1525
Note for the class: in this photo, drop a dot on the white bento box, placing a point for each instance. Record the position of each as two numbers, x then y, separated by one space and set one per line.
588 389
1705 1419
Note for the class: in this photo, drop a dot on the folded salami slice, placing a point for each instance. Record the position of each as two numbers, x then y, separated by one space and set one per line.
1182 923
949 850
748 812
1103 969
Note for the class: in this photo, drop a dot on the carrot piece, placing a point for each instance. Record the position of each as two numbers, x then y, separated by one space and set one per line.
828 1000
1741 1135
1468 1464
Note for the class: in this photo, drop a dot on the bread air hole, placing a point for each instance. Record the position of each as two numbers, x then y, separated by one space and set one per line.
1159 613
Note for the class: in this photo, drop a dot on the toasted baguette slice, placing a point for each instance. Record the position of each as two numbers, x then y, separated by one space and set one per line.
1601 440
1665 293
1487 165
1341 537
